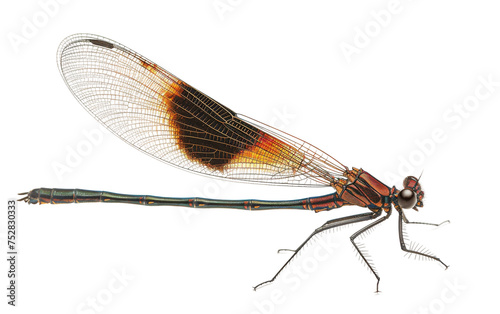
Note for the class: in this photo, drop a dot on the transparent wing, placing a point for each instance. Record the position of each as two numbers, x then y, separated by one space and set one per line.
166 118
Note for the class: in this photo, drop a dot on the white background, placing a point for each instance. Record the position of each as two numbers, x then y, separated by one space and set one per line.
280 62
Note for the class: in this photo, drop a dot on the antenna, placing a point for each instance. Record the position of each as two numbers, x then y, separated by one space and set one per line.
420 176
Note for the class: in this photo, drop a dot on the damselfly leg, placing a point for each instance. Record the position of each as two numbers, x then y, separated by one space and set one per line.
363 257
326 226
405 220
417 251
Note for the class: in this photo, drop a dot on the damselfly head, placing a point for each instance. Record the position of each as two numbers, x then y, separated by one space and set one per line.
413 196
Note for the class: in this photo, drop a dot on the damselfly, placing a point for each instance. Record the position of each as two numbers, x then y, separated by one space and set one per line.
166 118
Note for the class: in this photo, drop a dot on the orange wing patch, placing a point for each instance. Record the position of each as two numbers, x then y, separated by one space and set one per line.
272 152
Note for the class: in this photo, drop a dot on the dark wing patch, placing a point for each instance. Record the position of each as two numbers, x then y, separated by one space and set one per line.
207 132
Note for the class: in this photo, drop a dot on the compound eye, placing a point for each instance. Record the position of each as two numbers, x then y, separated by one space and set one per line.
409 180
407 198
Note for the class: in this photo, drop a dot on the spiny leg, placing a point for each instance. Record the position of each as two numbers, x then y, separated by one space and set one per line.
422 223
327 225
359 232
338 222
402 219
